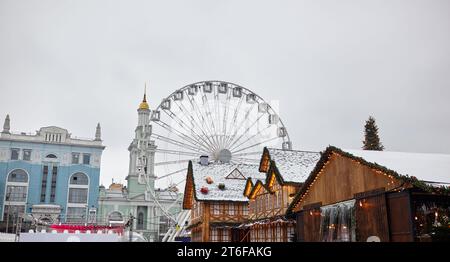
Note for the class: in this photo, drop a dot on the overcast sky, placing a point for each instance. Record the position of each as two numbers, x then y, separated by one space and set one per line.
330 64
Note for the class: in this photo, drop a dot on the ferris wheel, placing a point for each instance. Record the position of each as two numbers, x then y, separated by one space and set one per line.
221 120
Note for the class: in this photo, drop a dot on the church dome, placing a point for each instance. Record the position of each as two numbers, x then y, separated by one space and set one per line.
144 104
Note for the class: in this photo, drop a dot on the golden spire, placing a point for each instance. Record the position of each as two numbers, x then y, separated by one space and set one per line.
144 104
145 92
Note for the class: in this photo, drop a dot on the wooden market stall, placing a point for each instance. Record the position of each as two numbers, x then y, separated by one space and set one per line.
213 193
357 195
269 198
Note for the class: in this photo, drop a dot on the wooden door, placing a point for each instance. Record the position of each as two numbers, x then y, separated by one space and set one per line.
372 218
400 217
311 225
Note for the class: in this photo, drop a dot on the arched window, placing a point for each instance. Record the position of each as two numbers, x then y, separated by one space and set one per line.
16 192
115 217
79 179
51 156
78 198
18 175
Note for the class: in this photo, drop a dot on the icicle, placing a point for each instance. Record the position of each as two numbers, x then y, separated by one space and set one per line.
336 222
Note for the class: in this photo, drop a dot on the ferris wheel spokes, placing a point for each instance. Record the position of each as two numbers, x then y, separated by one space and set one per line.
209 113
184 136
197 125
249 138
202 120
225 117
231 143
186 129
257 144
241 123
177 143
176 152
219 119
233 122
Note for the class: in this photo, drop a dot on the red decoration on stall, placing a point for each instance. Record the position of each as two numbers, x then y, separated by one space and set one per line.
204 190
60 228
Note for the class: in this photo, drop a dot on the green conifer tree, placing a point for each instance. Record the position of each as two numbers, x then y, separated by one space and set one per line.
371 138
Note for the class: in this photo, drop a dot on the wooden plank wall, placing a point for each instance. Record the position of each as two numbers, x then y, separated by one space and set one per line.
342 178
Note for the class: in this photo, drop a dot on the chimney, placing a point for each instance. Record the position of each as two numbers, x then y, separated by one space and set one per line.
204 160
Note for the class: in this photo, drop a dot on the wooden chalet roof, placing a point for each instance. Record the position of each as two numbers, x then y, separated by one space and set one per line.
233 176
291 166
288 166
428 172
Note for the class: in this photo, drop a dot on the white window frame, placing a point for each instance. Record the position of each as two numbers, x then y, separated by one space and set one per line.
18 153
69 186
16 203
82 158
23 154
71 158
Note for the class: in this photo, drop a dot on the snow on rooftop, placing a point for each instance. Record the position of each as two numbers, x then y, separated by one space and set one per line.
294 166
234 188
426 167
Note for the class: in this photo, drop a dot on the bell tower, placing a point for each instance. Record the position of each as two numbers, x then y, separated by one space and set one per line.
142 153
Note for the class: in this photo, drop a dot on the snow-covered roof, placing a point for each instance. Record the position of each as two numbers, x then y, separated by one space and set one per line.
426 167
294 166
234 188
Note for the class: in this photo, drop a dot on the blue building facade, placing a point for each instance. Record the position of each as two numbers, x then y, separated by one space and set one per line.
49 176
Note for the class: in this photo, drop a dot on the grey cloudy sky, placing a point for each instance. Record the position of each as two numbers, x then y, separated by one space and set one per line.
330 64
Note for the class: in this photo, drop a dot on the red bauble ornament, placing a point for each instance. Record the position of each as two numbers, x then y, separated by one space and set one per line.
204 190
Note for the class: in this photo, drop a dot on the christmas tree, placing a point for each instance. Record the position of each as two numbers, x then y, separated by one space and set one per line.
371 138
